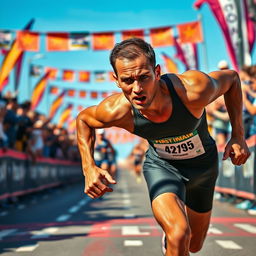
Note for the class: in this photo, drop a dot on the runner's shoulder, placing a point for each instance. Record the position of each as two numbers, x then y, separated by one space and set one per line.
196 81
195 77
113 108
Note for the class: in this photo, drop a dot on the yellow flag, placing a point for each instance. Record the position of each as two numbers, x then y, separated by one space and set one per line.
10 59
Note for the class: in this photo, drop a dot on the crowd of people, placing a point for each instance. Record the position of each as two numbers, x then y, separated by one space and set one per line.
33 133
218 118
219 125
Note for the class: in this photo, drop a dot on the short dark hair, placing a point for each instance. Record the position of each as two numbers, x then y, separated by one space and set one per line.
131 49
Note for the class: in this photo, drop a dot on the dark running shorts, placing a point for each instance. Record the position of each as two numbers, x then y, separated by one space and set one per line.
192 180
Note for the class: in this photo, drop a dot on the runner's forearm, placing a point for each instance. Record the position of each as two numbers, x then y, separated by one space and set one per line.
234 105
85 141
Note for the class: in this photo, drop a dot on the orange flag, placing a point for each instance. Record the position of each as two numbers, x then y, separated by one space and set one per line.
68 75
161 37
71 93
133 33
170 65
54 90
11 59
39 90
84 76
94 95
190 32
56 104
103 41
57 42
105 94
28 41
72 125
82 94
65 115
53 72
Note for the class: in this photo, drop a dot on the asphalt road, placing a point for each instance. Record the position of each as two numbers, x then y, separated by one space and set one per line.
63 221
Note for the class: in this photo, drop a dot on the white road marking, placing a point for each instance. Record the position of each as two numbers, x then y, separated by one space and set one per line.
6 232
247 227
84 201
74 209
213 230
27 248
63 217
133 243
228 244
126 195
44 233
133 230
129 215
127 201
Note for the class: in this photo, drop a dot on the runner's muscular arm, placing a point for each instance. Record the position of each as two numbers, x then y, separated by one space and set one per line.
106 114
204 89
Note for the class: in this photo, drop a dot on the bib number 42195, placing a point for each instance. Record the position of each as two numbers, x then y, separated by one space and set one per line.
183 147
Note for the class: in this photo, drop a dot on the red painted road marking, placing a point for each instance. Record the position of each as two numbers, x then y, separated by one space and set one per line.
112 228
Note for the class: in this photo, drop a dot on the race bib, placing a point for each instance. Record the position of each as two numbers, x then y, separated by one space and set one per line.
180 147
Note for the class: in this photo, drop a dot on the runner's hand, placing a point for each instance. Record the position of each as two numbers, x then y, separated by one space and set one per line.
97 181
237 150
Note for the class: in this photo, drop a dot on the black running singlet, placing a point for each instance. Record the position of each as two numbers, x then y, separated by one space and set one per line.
182 136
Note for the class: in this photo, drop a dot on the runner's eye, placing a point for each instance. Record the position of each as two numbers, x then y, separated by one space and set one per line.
143 78
128 80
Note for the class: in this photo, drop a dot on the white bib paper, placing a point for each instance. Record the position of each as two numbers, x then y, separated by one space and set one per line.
180 147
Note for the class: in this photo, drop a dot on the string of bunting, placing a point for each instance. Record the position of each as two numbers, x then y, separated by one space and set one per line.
68 41
55 90
68 75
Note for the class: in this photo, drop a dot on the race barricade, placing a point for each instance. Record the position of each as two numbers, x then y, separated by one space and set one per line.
239 181
19 176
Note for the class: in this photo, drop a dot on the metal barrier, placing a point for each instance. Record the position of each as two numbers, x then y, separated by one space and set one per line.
19 176
239 181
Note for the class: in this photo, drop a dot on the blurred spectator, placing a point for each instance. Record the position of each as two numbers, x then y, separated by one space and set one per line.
73 153
3 137
136 158
248 82
35 143
24 127
218 115
220 122
10 121
103 148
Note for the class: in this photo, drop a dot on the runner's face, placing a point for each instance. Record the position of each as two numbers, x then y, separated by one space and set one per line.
138 80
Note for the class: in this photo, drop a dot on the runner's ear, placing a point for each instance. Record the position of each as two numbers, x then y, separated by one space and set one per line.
158 71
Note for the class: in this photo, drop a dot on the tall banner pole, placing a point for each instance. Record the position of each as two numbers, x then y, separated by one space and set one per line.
205 56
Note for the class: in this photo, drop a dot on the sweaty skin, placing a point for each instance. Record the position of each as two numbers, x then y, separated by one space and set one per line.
142 87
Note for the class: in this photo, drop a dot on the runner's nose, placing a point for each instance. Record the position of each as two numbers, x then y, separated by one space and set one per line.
137 87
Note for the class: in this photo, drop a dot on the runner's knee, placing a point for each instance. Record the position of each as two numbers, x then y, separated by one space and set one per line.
178 233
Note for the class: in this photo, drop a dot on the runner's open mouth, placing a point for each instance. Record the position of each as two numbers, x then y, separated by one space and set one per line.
142 98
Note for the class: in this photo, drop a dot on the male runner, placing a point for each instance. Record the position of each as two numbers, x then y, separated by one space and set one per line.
181 165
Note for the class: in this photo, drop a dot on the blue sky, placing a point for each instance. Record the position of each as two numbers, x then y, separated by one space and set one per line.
93 16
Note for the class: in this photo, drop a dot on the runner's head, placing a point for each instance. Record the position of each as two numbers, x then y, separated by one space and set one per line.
131 49
136 72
